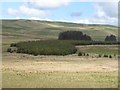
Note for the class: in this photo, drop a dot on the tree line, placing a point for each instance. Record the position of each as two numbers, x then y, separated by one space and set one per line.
78 35
74 35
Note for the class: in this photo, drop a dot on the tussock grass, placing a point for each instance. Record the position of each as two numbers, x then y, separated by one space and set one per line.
59 79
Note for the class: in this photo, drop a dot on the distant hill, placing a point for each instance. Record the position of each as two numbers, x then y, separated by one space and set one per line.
35 29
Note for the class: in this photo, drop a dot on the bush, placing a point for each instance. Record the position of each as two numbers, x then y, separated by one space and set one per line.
99 55
13 45
9 50
12 49
84 54
79 54
110 56
87 54
105 56
35 54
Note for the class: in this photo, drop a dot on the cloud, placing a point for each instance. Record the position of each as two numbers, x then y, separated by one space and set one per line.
105 13
76 14
32 11
107 9
44 19
35 8
12 11
17 17
24 10
47 4
111 21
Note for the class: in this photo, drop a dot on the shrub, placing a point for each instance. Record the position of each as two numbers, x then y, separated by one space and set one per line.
12 49
9 50
87 54
35 54
13 45
84 54
79 54
110 56
114 55
105 56
99 55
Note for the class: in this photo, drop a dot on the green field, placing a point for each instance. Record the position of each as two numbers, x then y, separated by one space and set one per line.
100 49
31 29
51 71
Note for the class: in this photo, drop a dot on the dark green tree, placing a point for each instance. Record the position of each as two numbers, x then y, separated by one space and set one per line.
74 35
111 38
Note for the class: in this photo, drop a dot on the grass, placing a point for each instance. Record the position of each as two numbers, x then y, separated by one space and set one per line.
54 28
11 27
19 70
107 50
59 79
22 70
102 51
38 28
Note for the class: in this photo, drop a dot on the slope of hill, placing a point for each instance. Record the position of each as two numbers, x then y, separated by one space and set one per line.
34 29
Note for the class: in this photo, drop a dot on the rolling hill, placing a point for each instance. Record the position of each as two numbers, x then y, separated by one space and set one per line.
17 30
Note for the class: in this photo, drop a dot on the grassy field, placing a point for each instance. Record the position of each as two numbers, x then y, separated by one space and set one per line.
100 49
71 71
60 80
32 29
22 70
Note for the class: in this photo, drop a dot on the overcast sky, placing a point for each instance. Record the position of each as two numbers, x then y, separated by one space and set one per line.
62 10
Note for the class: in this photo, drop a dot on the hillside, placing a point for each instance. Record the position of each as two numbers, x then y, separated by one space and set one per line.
16 30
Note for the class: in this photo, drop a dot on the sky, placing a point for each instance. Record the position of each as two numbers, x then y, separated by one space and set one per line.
88 12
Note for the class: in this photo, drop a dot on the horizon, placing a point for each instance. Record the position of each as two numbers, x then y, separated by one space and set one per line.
64 22
62 11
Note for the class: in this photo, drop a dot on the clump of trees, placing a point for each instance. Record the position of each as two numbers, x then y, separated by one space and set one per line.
46 47
111 38
74 35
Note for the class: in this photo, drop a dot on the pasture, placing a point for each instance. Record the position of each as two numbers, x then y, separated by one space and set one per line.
50 71
71 71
